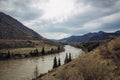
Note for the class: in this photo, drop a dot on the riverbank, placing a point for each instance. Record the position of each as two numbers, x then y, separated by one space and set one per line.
100 64
88 46
23 69
34 53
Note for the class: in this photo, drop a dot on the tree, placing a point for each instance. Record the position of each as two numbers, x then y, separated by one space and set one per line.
59 62
8 56
36 72
52 50
70 59
58 48
36 52
43 51
55 63
66 59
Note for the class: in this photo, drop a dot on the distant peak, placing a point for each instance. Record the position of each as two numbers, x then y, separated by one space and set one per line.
101 32
118 32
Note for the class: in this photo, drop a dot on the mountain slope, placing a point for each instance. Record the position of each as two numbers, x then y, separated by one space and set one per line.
10 28
91 37
103 63
14 34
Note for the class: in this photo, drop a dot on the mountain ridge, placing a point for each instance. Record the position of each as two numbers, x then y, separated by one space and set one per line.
101 35
11 28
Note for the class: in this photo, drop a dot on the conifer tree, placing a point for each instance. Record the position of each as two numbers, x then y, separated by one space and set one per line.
70 59
58 48
55 62
59 62
8 56
43 51
36 52
66 59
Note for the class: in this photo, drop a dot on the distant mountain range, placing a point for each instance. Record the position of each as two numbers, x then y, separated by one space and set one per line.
91 37
10 28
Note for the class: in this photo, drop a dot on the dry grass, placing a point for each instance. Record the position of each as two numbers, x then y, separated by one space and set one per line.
95 65
27 50
25 46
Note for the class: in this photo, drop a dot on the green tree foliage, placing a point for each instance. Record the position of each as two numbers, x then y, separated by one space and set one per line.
59 62
55 63
34 53
52 51
8 54
43 51
70 59
66 59
58 48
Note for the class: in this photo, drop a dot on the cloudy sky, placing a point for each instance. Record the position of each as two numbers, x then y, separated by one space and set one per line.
55 19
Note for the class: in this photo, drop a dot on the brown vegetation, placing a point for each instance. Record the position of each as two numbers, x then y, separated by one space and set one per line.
102 63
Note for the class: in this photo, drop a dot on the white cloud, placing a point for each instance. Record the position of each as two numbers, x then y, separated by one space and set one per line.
98 23
56 35
59 10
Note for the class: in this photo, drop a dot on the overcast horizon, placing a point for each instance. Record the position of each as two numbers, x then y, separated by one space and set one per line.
56 19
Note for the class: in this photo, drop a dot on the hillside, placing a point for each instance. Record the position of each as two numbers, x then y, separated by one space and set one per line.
103 63
91 37
10 28
19 39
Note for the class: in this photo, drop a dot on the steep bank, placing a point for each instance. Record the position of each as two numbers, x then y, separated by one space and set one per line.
102 63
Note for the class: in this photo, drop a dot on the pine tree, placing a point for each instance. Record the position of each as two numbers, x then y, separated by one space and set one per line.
59 62
70 59
36 52
55 62
58 48
52 50
66 59
43 51
8 56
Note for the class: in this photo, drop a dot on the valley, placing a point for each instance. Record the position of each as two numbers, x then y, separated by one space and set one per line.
59 39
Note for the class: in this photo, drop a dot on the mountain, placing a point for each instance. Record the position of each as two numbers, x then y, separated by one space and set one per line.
117 32
14 34
91 37
10 28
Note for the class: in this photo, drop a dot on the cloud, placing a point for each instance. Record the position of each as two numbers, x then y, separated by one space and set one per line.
56 35
103 22
51 18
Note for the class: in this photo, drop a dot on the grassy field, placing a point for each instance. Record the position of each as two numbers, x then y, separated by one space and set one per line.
26 46
103 63
27 50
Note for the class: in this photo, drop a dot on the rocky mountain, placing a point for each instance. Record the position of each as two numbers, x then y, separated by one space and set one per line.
10 28
91 37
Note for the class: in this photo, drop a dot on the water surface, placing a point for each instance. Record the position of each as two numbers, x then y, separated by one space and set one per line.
23 69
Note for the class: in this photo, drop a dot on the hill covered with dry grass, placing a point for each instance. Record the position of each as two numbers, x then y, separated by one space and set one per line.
103 63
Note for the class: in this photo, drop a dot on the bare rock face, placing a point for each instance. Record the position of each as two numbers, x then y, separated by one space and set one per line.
10 28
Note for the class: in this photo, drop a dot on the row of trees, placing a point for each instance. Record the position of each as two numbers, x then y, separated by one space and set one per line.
10 55
57 63
43 52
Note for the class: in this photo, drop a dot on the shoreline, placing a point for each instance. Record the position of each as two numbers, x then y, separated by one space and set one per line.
8 56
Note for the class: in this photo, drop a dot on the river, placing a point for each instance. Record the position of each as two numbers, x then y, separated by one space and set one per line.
23 69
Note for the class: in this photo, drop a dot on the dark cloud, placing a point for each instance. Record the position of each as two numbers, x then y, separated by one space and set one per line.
24 11
100 3
20 9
